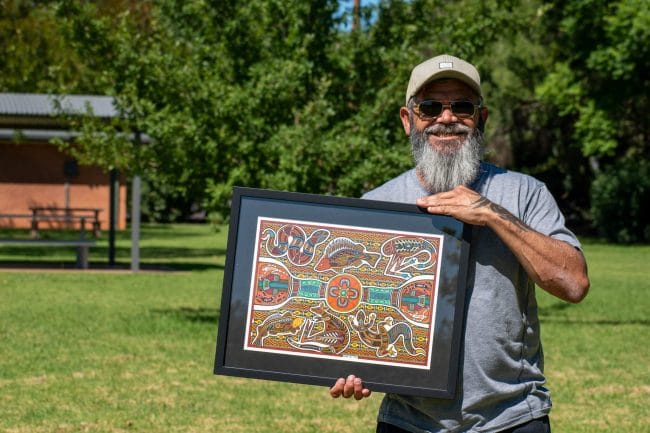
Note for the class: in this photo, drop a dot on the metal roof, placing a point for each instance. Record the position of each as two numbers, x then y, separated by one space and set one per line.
35 116
43 105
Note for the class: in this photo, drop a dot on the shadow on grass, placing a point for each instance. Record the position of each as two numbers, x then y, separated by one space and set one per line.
149 252
549 314
170 231
550 310
589 322
162 252
154 258
197 315
28 264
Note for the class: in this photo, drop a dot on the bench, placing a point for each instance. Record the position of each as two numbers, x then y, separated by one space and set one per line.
83 246
66 215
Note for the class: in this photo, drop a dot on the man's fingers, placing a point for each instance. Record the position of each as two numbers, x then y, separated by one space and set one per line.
359 391
351 386
337 390
348 388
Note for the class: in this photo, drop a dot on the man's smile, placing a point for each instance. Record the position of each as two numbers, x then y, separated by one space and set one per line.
447 136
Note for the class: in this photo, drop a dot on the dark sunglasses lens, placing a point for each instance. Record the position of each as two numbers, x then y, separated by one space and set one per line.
430 108
462 108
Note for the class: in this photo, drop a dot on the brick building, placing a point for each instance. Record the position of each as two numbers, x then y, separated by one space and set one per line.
35 174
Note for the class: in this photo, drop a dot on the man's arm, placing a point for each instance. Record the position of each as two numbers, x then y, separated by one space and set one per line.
553 265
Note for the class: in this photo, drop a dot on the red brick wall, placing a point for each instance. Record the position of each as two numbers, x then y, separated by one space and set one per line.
31 174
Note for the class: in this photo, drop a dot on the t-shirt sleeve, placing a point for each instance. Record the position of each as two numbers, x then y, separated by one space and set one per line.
543 214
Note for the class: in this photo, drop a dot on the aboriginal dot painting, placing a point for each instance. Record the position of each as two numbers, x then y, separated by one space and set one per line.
343 292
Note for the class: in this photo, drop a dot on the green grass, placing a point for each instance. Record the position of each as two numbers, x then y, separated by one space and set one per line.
114 351
598 352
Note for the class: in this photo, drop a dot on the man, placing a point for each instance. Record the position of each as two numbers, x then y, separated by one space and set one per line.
518 240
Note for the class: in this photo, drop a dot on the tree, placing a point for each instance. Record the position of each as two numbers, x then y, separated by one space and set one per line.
285 95
34 56
210 82
598 87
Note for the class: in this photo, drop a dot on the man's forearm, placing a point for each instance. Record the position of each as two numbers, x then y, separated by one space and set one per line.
553 265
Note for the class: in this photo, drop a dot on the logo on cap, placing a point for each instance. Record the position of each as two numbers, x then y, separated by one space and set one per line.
445 65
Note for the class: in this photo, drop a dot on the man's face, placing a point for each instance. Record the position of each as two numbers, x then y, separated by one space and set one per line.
447 148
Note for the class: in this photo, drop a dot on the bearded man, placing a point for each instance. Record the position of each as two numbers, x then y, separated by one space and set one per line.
518 240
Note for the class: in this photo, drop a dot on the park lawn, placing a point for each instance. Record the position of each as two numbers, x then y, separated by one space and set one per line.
115 351
598 352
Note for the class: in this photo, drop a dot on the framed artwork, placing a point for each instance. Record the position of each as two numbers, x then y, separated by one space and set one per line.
318 287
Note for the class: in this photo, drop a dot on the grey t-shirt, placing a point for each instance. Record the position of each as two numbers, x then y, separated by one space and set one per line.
501 382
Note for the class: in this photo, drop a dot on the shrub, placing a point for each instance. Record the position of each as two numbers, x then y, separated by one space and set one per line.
619 198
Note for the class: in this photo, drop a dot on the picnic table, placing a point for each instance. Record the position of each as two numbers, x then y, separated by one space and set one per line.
66 215
40 214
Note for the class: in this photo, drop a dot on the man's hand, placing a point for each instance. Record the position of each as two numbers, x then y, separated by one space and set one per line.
350 387
461 203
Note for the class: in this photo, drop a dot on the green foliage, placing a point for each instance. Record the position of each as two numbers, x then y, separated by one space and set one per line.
619 200
100 142
595 131
600 77
34 56
275 98
284 95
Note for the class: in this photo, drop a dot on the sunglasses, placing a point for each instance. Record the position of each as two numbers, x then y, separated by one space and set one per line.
429 109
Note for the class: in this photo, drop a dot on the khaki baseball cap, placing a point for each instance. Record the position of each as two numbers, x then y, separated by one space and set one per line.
443 66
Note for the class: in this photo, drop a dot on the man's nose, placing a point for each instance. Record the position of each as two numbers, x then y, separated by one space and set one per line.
447 116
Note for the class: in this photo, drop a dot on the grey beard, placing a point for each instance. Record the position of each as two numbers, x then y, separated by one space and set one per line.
443 171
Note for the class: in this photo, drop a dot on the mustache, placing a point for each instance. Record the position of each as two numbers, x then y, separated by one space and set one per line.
454 128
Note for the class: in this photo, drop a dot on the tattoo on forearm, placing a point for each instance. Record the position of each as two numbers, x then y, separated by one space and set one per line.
501 212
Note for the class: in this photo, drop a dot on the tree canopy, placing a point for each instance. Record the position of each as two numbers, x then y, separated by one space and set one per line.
285 94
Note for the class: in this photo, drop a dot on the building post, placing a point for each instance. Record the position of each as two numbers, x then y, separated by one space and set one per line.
135 214
113 208
135 223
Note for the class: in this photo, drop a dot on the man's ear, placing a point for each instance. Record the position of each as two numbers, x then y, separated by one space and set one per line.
404 116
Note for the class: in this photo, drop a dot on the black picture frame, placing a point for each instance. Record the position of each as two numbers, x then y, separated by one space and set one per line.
237 356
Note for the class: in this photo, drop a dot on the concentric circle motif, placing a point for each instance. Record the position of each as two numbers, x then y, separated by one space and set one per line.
415 300
344 293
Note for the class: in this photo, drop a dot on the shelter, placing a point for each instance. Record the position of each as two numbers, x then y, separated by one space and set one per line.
36 175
